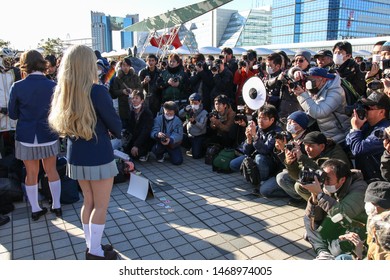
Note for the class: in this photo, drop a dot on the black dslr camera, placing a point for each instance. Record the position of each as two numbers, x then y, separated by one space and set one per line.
282 135
360 110
214 113
381 134
307 175
189 112
289 146
240 115
215 67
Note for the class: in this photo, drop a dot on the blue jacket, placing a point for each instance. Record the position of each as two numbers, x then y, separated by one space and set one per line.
29 103
265 142
97 151
367 149
173 129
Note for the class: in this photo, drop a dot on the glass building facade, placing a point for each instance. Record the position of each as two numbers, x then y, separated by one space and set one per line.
102 27
295 21
248 28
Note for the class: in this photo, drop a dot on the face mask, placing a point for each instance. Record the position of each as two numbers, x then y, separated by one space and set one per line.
195 107
370 209
311 86
137 107
269 70
168 118
338 59
99 72
330 188
291 128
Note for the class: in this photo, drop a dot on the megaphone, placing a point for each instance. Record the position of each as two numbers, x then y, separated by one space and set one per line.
254 93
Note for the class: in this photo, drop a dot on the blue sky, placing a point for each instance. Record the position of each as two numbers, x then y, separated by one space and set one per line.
29 21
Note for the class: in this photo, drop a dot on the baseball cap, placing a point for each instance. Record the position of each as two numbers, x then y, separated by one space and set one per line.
320 72
324 53
378 193
195 97
315 137
378 99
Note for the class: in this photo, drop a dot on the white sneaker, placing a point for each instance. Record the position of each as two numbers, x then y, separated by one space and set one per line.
144 158
161 159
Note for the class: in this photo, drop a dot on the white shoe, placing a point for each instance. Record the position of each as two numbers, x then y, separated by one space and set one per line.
144 158
161 159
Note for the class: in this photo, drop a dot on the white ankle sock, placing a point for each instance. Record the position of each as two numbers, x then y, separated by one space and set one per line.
87 234
32 195
55 189
96 239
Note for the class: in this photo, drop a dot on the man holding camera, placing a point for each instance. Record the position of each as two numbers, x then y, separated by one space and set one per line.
336 190
201 80
194 126
318 149
323 99
244 72
168 132
222 123
223 81
148 77
363 140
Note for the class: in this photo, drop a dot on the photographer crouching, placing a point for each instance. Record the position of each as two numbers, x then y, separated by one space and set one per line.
222 123
194 127
335 192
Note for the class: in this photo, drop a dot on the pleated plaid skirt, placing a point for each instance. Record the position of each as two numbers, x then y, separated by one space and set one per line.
98 172
35 153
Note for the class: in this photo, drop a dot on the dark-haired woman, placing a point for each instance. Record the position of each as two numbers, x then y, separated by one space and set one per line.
34 141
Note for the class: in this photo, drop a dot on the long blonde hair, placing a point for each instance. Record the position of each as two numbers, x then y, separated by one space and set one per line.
72 112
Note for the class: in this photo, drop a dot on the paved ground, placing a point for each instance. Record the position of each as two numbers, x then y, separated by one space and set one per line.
196 214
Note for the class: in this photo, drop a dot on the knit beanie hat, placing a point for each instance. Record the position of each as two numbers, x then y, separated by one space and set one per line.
300 118
385 47
305 54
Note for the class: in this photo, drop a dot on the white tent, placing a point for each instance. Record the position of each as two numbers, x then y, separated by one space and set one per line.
263 51
209 50
181 50
238 51
287 51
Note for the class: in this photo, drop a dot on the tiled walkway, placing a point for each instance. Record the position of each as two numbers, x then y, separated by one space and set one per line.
196 214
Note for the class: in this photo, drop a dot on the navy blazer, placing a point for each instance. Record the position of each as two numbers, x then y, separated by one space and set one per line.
98 150
29 103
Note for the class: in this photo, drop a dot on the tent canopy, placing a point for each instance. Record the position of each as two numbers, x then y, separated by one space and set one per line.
209 50
176 17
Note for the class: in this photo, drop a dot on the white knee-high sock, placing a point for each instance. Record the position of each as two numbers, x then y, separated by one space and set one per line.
55 189
87 234
32 195
96 239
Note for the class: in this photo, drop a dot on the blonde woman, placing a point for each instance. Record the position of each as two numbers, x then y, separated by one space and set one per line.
29 104
83 111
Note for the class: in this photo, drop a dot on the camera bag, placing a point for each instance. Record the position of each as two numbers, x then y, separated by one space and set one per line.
211 152
221 163
250 171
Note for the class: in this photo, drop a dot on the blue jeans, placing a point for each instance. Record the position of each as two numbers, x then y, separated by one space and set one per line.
197 146
264 164
236 163
270 188
287 184
175 155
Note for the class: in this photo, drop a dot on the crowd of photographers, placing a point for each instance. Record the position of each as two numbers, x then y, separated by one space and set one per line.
321 139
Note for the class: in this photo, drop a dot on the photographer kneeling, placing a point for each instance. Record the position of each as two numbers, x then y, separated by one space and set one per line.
194 127
335 190
168 132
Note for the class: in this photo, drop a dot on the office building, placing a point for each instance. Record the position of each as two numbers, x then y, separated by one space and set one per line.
103 26
295 21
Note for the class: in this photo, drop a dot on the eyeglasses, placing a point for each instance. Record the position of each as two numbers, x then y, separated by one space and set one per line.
299 60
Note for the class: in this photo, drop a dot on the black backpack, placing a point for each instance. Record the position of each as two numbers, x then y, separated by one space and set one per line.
250 171
211 152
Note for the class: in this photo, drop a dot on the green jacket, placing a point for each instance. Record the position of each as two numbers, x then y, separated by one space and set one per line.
332 150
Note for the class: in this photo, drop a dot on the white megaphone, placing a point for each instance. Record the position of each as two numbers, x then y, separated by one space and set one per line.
254 93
